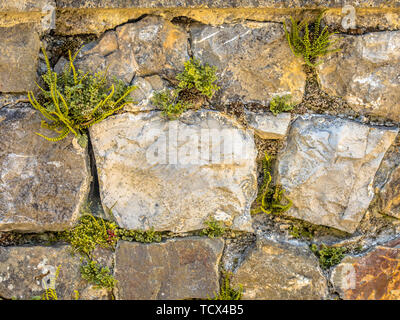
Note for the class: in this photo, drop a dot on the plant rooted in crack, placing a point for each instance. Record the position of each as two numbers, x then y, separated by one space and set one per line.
215 228
271 199
281 104
226 292
73 100
328 256
197 80
310 42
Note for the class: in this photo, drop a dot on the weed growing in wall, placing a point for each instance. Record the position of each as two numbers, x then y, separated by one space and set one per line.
328 256
226 291
73 100
281 104
215 229
197 80
310 42
270 199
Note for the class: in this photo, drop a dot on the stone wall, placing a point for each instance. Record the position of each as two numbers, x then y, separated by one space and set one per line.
337 153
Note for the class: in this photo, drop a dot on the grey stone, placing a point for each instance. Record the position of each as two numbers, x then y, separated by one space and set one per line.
176 269
254 61
328 168
365 73
27 271
42 183
280 271
174 175
268 126
19 52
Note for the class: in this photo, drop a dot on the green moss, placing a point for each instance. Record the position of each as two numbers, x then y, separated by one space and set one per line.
310 42
299 232
226 292
328 256
139 235
97 275
215 229
280 104
73 100
270 199
201 77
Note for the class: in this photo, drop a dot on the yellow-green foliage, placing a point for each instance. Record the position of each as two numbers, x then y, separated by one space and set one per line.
170 104
139 235
226 292
202 77
271 199
299 232
310 42
97 275
280 104
328 256
214 228
197 79
73 100
50 293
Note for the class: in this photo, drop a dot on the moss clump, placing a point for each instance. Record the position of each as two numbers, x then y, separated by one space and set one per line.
139 235
197 80
215 228
310 43
328 256
299 232
73 100
280 104
226 291
97 275
270 199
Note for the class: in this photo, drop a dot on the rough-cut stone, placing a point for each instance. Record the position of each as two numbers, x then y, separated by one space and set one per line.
372 276
366 73
268 126
174 175
147 47
42 183
27 271
176 269
19 52
254 61
146 87
24 5
280 271
328 169
219 3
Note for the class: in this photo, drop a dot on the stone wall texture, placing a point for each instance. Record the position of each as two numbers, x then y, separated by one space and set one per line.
335 154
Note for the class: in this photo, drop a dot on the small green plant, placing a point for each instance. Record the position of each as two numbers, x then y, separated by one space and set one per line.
73 101
328 256
280 104
50 292
271 199
97 275
199 77
139 235
310 42
226 292
214 228
195 80
300 232
168 101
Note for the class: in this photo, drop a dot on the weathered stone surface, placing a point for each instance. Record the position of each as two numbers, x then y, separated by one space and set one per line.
389 194
19 51
253 59
42 183
268 126
27 271
328 169
146 87
366 73
280 271
24 5
219 3
174 175
373 276
176 269
147 47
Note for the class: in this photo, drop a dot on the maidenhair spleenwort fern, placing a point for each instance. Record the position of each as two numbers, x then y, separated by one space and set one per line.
271 199
310 44
73 101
